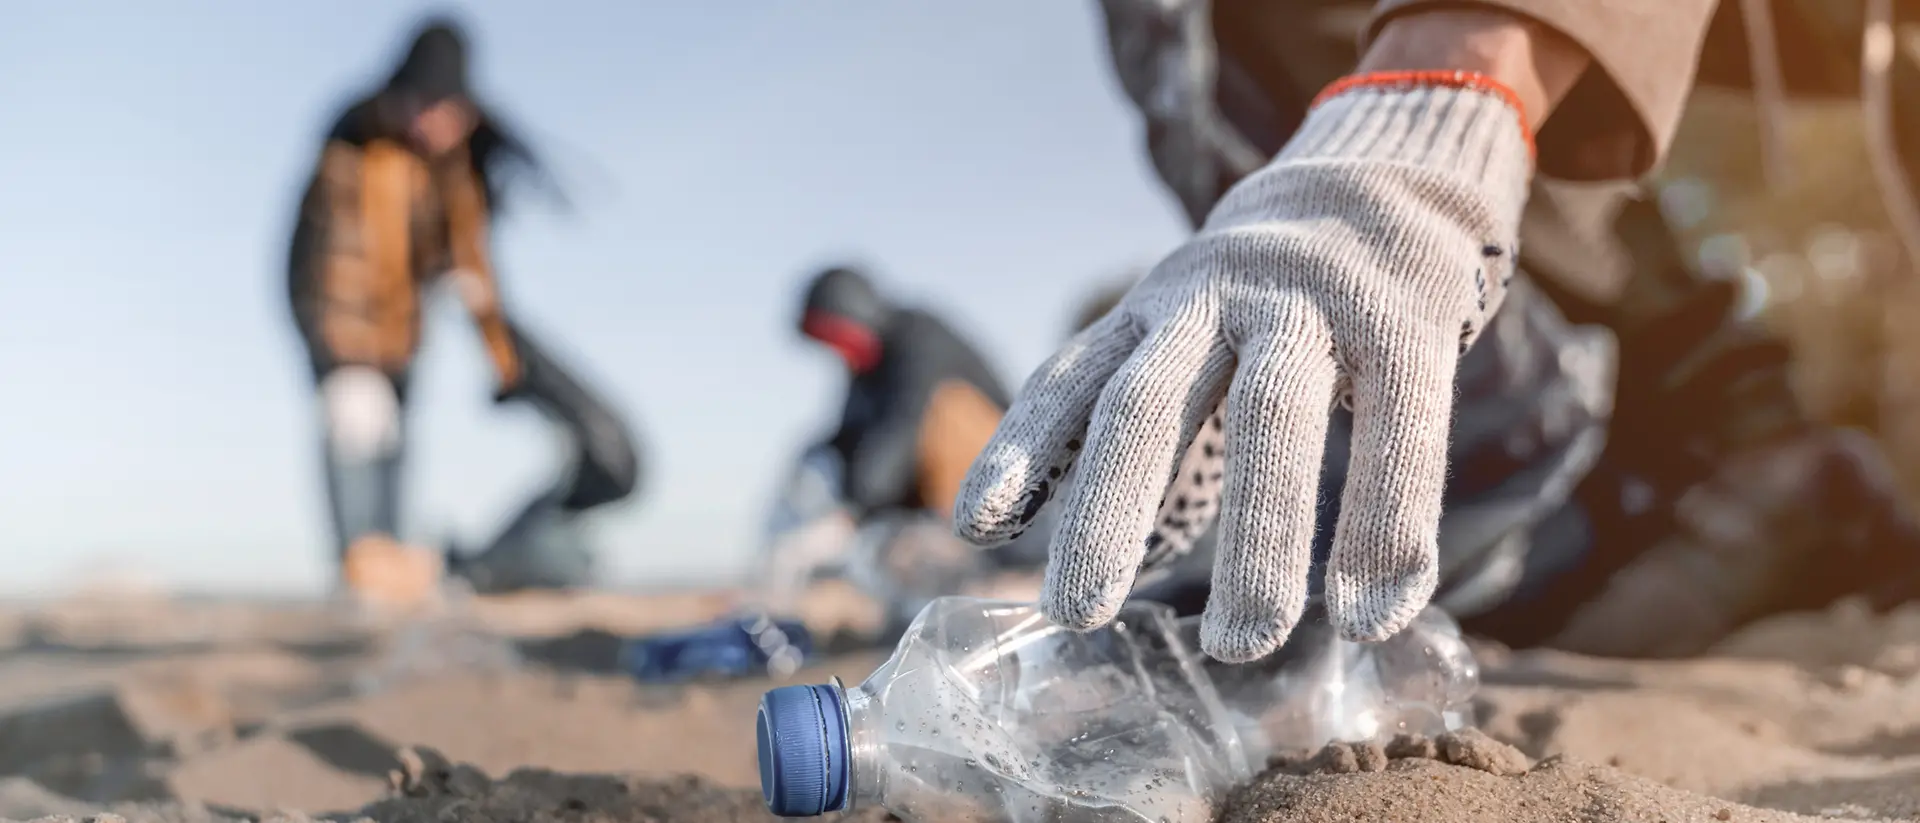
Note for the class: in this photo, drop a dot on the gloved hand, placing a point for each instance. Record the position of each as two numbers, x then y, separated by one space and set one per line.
1356 267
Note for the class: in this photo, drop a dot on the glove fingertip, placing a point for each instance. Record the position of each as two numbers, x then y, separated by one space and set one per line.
985 535
1003 494
1237 641
1374 610
987 511
1081 607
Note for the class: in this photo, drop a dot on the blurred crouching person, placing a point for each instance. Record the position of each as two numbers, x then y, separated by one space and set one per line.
920 404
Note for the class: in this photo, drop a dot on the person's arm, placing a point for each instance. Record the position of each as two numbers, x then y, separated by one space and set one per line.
1602 83
1539 64
885 460
468 219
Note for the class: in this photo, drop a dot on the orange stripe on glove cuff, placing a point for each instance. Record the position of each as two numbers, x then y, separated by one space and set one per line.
1428 79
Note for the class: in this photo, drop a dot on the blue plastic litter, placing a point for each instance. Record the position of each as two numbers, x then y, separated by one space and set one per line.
732 648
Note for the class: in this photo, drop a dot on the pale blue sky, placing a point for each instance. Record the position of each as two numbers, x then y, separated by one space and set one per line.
156 413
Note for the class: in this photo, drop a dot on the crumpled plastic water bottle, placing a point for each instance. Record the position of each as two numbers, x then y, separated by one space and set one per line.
988 712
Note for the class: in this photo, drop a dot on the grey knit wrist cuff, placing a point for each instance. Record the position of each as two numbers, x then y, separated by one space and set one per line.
1464 131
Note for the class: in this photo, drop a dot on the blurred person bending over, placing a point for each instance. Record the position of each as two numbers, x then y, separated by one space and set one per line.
1400 363
403 198
920 403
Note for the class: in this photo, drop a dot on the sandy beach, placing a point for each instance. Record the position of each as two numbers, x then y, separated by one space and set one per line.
156 708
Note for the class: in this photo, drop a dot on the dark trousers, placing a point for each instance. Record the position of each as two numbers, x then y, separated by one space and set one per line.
543 545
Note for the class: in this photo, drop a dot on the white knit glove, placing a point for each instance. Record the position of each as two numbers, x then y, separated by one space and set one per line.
1355 268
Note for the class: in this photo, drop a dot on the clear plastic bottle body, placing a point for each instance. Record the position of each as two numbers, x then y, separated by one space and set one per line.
1319 688
987 712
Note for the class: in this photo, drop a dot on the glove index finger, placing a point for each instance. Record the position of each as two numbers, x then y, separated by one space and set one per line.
1154 403
1023 464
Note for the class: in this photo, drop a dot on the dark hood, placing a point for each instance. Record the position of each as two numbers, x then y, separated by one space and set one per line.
848 294
434 69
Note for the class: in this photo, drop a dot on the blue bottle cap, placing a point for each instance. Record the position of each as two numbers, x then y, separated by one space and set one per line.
804 768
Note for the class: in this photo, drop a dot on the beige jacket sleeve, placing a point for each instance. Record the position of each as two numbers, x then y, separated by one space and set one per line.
1620 118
